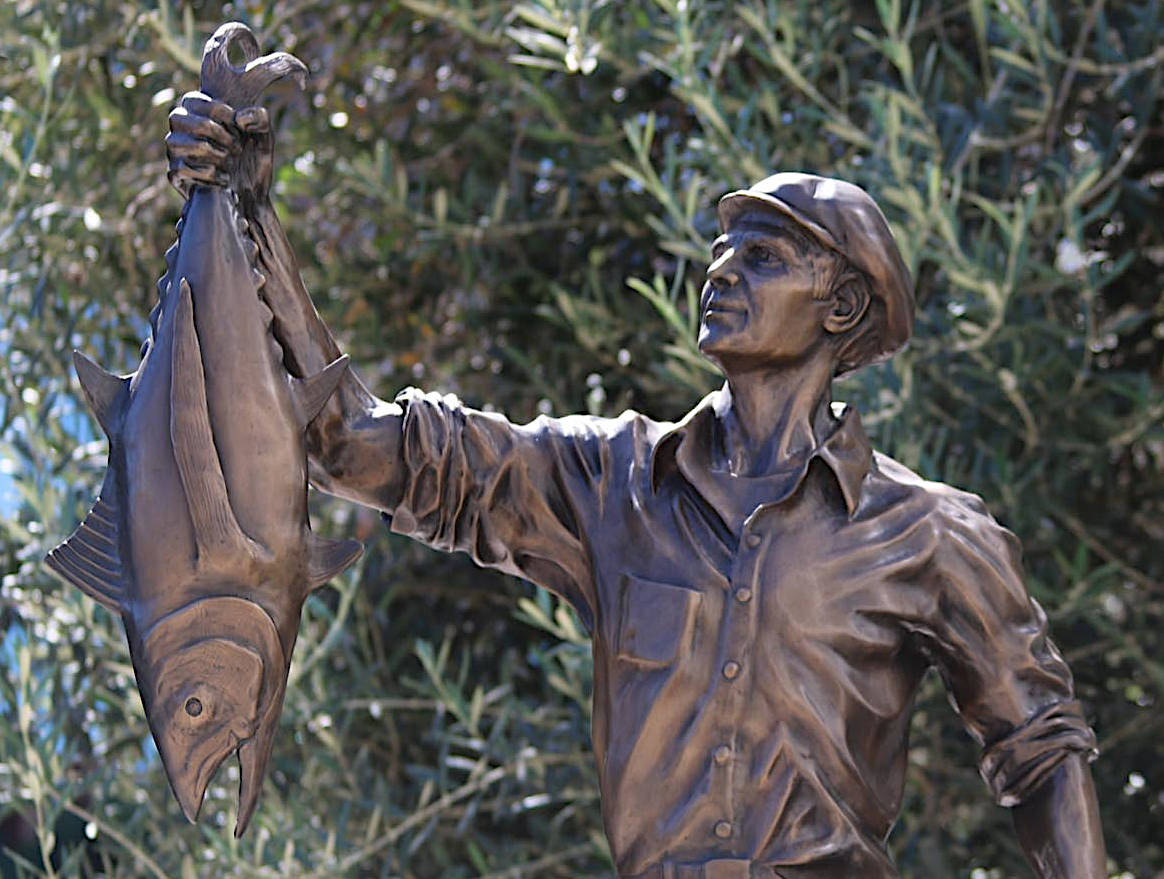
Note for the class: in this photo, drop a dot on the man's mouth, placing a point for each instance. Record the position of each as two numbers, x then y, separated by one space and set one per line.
719 306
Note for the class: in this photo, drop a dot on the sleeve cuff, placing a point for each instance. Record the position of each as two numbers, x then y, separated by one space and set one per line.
1015 766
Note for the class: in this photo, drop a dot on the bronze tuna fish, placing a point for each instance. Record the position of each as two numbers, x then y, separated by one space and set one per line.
200 536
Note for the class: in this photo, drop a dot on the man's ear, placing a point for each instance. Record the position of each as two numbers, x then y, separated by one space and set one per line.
850 301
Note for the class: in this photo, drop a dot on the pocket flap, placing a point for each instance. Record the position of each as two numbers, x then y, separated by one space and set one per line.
657 620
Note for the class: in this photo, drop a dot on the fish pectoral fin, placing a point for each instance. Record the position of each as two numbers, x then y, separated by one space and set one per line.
217 532
326 558
105 392
312 392
90 558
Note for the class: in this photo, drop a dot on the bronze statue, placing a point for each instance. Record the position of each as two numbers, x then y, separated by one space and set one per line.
199 537
763 590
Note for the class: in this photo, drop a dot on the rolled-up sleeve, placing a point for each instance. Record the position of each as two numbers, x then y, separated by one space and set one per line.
514 497
989 639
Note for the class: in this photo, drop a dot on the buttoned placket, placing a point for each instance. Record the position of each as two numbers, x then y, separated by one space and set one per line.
737 666
737 654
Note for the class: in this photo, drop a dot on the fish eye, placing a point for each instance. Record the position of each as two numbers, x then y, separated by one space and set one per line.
193 706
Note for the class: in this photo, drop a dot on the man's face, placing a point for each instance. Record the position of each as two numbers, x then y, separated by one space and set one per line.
757 308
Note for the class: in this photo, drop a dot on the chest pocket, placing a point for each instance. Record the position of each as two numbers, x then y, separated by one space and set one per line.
657 621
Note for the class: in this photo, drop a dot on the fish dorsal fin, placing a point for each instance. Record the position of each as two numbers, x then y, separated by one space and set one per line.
216 530
311 393
326 558
105 392
91 558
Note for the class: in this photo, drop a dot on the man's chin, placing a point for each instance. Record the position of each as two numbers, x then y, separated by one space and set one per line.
715 344
706 347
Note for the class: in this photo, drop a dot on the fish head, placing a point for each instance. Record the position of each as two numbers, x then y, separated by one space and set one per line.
206 703
214 675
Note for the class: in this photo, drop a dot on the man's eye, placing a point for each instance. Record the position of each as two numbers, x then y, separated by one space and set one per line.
762 254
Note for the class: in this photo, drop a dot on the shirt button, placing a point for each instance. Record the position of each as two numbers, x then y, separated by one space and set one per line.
743 595
723 829
753 540
731 669
722 754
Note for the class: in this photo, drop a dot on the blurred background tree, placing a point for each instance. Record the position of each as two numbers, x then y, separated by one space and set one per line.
512 201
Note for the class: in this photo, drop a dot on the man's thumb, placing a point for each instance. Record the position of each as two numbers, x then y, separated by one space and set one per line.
252 120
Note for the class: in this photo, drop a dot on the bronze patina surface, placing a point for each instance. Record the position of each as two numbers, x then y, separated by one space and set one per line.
199 538
764 592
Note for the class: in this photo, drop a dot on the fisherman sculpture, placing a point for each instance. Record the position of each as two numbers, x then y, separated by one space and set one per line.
763 590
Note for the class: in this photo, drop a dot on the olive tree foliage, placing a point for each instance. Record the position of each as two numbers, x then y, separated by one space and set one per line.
512 201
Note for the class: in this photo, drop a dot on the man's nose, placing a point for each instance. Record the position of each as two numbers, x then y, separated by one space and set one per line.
722 272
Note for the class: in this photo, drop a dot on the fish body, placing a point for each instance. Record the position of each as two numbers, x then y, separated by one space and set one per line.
199 537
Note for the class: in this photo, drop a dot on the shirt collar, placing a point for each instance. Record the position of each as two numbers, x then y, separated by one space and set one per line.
845 449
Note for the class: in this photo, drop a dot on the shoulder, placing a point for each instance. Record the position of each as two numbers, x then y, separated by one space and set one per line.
894 483
628 427
604 441
969 543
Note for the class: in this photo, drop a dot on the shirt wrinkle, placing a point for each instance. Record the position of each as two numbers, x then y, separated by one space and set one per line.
757 649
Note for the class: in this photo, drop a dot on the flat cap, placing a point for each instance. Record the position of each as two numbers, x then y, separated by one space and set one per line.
844 218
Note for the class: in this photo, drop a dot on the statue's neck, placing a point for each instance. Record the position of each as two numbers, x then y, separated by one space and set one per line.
771 419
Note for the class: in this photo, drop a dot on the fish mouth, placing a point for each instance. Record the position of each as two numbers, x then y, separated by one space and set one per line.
253 755
190 787
253 751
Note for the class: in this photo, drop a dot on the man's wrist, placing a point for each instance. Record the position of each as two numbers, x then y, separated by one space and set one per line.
1058 824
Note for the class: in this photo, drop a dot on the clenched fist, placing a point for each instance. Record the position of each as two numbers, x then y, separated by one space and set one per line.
212 144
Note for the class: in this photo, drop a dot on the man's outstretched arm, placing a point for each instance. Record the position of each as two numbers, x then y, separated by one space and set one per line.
354 443
1058 824
507 495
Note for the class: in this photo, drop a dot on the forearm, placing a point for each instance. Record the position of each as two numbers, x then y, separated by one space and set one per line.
354 443
1058 825
308 344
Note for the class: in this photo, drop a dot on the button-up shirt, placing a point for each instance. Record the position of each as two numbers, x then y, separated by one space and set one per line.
758 642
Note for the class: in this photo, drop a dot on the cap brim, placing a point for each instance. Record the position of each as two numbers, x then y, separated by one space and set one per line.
735 203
